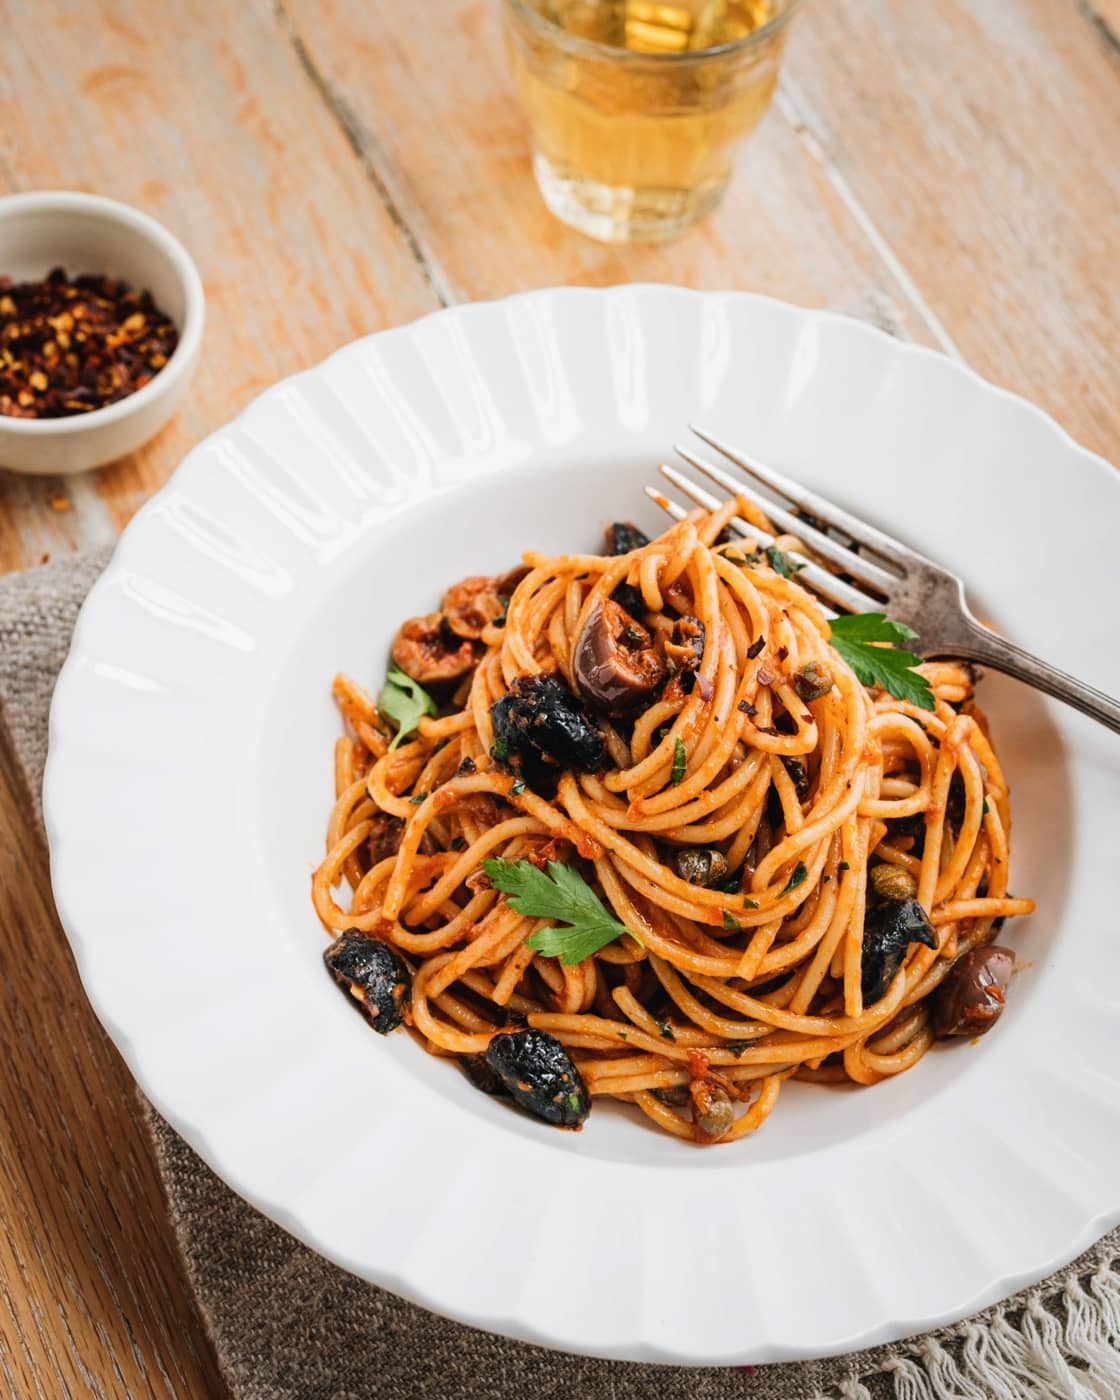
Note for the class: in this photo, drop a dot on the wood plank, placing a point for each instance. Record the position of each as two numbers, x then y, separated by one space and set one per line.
1106 14
449 143
205 117
981 137
93 1300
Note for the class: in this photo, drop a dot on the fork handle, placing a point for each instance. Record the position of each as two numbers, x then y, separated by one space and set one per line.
978 643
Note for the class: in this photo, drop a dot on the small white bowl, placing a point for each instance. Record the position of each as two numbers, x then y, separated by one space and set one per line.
85 233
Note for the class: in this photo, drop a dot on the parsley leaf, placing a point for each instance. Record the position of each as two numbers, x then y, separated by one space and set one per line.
562 894
729 921
782 563
404 701
889 667
517 789
676 777
799 876
419 797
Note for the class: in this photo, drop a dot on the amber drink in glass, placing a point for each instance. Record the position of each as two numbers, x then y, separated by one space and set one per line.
636 108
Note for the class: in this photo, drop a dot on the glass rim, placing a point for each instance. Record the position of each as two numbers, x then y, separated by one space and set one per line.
577 43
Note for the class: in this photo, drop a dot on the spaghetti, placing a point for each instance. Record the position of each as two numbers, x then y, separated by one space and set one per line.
761 823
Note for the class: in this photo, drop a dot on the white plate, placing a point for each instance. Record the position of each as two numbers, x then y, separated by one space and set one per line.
190 779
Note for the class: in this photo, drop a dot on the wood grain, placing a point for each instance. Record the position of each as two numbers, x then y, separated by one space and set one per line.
203 115
334 166
455 156
981 138
93 1301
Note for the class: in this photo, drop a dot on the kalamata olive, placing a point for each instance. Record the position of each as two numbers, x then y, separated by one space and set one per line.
712 1111
384 837
539 717
701 865
685 647
888 930
471 606
506 584
429 653
536 1070
375 976
970 999
614 663
812 681
624 536
482 1076
893 882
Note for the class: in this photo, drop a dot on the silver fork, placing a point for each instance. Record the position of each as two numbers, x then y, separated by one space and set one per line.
888 576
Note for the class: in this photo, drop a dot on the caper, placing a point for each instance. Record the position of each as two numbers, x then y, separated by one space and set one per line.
674 1094
812 681
701 865
711 1108
893 882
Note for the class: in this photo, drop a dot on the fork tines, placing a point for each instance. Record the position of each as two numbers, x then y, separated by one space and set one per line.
872 564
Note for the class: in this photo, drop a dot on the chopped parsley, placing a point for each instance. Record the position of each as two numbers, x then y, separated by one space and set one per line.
562 894
781 563
517 789
859 638
405 702
417 798
729 921
499 749
676 777
666 1030
799 876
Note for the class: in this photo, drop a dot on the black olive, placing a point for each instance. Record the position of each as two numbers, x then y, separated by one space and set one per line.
482 1076
955 802
540 718
797 770
536 1070
914 827
374 975
629 599
624 536
888 931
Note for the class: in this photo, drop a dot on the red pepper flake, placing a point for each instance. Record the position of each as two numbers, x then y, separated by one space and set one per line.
69 347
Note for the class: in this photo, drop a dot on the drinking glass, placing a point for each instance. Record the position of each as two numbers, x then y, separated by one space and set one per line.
636 107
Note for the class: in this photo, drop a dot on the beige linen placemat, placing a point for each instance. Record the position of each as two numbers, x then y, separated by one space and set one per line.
288 1325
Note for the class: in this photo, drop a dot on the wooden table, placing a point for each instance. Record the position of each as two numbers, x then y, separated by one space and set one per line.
336 167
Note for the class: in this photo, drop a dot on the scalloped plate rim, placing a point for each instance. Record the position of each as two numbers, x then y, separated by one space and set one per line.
103 1000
